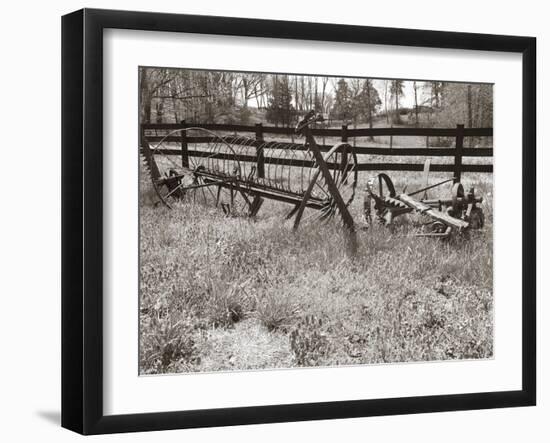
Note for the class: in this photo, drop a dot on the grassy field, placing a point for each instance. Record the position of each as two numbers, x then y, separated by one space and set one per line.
230 293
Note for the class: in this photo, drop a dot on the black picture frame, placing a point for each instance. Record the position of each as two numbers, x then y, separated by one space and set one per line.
82 219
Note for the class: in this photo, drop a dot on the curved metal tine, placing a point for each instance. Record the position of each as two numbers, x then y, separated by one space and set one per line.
245 170
251 151
293 161
218 195
336 166
244 149
353 186
240 148
268 155
193 147
225 196
230 141
287 167
219 164
211 150
309 162
301 171
195 161
283 155
343 169
322 188
282 167
204 197
155 151
209 188
344 164
227 162
192 162
262 151
245 200
191 194
319 214
310 159
314 214
231 164
238 202
303 204
277 154
273 165
328 213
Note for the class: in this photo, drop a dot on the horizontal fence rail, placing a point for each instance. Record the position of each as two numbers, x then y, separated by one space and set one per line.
344 134
426 152
332 132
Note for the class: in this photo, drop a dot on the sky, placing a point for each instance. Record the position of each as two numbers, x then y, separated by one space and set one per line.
407 100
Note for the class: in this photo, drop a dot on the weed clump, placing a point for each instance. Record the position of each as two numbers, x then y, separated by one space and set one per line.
276 311
225 304
309 342
167 345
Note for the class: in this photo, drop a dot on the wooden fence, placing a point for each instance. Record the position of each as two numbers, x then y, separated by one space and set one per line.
156 132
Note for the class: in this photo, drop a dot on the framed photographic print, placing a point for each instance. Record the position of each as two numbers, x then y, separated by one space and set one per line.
270 221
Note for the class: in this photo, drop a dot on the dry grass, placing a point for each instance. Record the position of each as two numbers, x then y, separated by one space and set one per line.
221 293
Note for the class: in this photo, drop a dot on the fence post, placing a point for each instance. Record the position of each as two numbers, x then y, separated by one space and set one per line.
345 133
184 150
458 152
260 151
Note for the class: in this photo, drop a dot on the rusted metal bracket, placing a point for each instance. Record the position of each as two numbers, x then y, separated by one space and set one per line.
332 189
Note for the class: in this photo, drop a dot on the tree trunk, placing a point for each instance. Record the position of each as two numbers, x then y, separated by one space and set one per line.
470 117
146 97
396 106
369 107
296 98
415 105
386 101
325 82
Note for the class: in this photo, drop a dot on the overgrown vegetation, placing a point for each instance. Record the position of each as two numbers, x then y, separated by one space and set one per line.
224 293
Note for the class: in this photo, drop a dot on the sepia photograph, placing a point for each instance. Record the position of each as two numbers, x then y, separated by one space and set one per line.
302 220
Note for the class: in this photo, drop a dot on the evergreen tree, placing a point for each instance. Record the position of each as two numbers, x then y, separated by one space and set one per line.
371 101
342 108
280 108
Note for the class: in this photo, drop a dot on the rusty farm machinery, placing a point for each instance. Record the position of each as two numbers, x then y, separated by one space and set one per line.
238 173
455 214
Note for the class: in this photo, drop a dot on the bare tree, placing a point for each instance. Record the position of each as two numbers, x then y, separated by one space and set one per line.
150 81
386 84
415 87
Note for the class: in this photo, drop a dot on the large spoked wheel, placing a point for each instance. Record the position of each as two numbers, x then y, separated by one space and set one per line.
341 161
380 189
210 175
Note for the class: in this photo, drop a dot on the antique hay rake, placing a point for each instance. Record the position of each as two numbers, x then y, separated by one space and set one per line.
237 174
224 171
